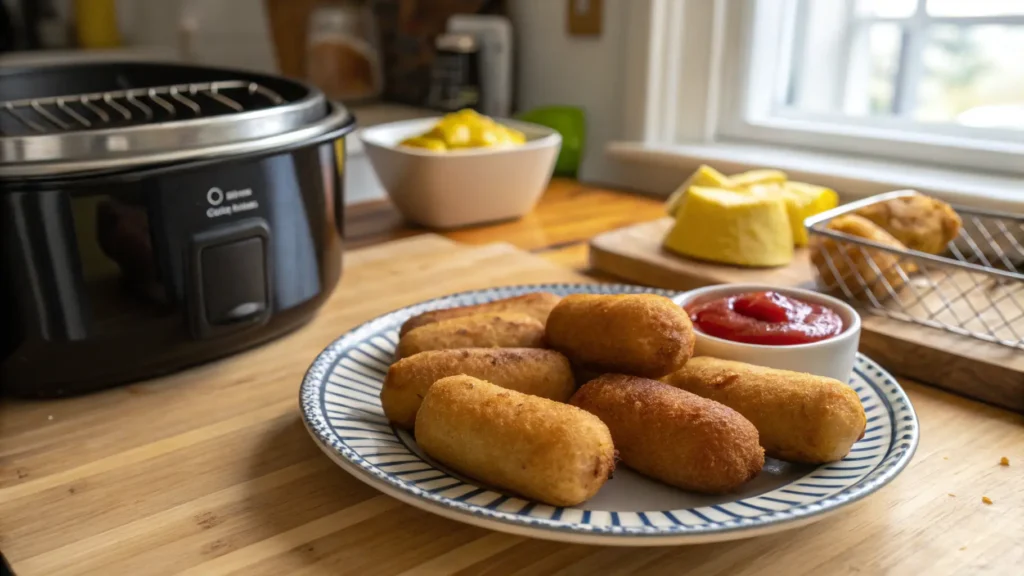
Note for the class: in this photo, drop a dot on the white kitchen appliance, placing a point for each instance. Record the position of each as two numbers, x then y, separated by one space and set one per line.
494 37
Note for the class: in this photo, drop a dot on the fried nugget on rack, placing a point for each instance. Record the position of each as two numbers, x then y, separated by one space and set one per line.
920 222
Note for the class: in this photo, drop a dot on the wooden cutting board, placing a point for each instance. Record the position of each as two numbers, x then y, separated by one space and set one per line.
980 370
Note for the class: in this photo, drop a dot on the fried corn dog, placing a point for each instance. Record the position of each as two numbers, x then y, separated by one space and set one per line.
641 334
671 435
800 417
534 371
477 331
535 304
539 448
851 263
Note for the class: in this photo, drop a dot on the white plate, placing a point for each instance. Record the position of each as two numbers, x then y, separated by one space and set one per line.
341 407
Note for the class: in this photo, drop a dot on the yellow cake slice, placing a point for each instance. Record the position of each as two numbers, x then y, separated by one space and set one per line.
704 176
762 176
738 227
806 200
802 202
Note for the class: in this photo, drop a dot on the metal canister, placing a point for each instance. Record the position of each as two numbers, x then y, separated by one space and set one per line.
455 76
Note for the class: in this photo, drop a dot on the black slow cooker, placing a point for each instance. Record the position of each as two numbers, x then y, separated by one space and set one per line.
157 216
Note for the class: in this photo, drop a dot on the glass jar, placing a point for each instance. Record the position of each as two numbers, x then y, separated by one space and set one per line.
343 57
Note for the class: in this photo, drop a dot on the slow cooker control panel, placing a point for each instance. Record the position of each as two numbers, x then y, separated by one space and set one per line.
230 286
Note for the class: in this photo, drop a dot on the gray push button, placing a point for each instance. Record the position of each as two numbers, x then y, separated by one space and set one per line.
234 281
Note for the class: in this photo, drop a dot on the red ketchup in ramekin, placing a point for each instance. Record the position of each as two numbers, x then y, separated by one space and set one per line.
766 318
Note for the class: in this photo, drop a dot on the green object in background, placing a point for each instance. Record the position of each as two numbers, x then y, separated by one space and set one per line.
571 123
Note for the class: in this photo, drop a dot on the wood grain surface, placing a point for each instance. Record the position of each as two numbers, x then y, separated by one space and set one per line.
210 471
977 369
566 218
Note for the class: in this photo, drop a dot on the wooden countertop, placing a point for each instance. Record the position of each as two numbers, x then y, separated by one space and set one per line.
567 217
210 471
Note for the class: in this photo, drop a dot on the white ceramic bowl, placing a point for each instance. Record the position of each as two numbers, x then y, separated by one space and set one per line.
462 187
833 357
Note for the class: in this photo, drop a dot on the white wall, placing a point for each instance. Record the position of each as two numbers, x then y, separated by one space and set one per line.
555 68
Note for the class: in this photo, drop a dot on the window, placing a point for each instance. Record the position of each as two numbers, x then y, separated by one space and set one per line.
935 81
866 94
927 61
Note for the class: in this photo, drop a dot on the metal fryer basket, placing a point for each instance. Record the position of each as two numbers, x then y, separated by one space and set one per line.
976 288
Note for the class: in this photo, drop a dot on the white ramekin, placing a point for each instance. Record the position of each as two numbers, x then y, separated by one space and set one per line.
833 357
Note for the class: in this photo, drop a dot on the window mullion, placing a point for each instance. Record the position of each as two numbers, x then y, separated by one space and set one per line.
851 38
911 64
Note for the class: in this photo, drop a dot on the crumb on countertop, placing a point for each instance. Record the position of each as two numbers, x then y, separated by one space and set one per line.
962 548
951 494
945 457
50 417
986 499
1004 461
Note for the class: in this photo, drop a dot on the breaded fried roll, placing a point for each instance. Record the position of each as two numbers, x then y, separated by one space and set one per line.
800 417
535 304
538 448
844 263
641 334
477 331
671 435
534 371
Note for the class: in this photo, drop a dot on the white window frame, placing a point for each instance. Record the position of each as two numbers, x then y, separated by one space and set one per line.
910 65
689 64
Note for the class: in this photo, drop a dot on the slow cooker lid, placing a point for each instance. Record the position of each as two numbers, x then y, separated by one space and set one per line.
79 118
